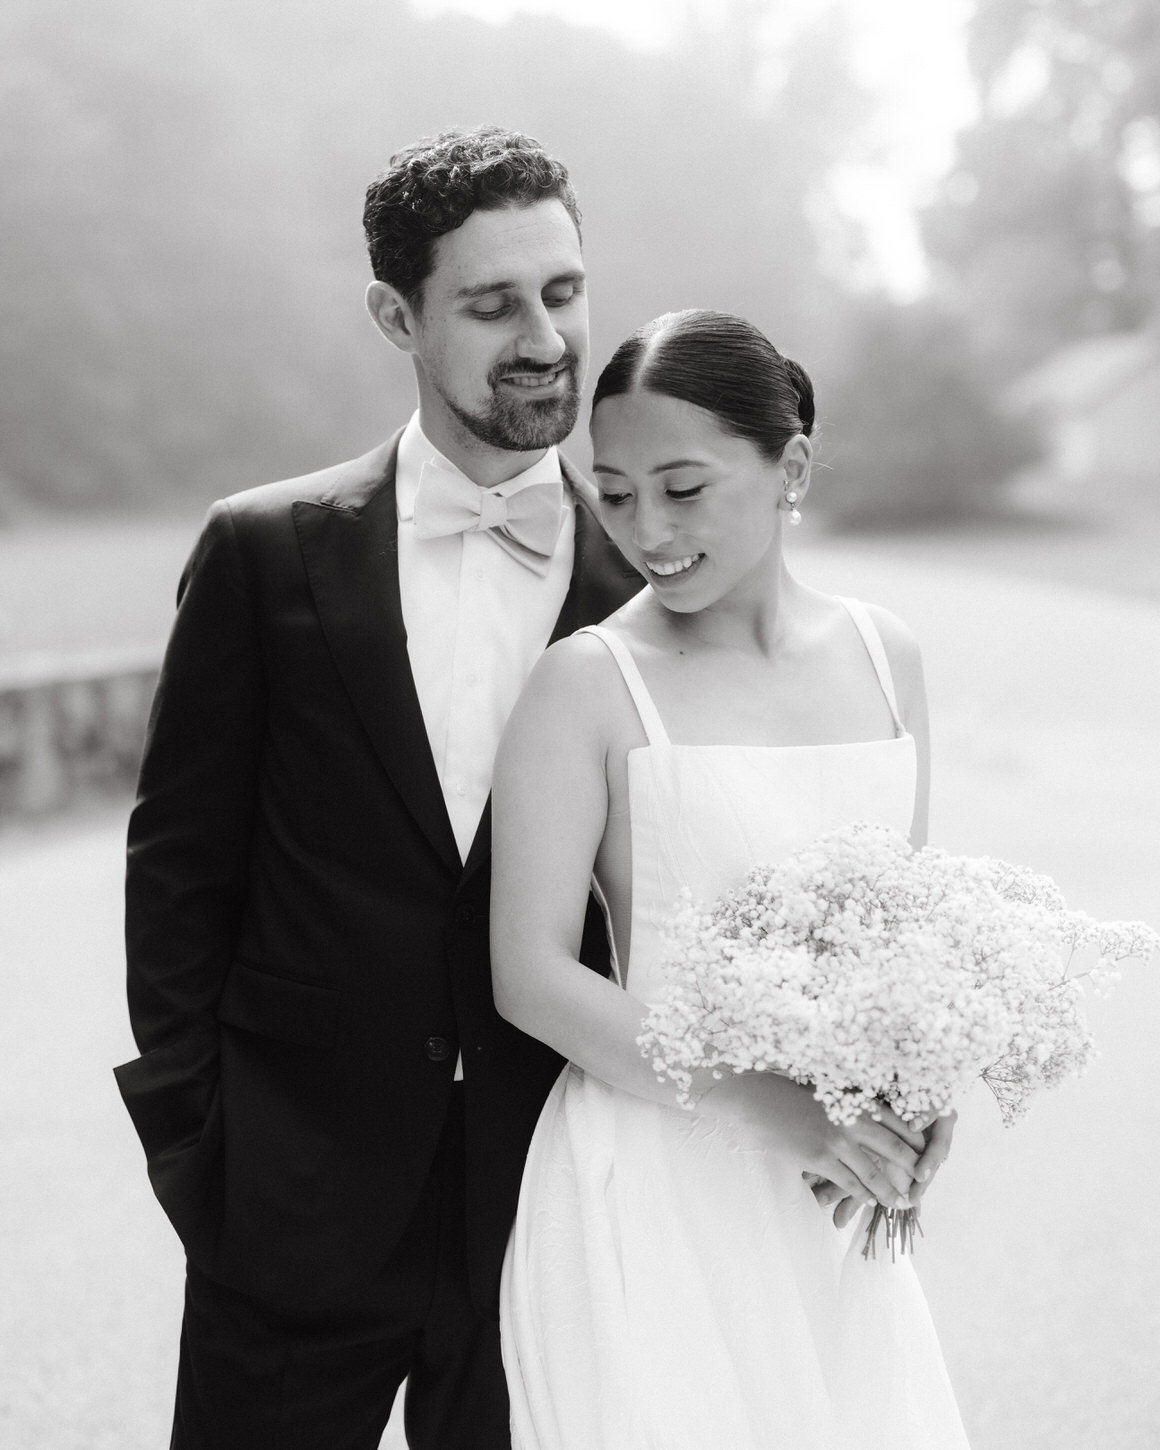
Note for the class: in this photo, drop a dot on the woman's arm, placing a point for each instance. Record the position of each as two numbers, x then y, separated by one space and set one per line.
549 811
549 808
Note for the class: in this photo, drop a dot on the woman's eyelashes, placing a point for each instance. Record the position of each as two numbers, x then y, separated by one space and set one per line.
680 495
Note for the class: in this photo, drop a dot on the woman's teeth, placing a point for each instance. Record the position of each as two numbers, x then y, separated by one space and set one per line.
674 566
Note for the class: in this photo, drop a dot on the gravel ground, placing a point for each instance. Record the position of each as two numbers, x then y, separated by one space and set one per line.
1040 1263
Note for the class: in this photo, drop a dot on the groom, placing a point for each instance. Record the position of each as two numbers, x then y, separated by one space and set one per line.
334 1115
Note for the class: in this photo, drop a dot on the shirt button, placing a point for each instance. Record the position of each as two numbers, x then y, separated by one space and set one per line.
460 789
472 677
438 1049
480 575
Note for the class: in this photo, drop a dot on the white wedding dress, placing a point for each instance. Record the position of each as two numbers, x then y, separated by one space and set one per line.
666 1286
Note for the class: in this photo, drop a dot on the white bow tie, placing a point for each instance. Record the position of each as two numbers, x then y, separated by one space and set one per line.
525 520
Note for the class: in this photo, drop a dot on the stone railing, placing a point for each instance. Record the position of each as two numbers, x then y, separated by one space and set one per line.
71 727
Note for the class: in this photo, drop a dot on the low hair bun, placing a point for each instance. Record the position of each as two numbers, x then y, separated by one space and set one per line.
800 380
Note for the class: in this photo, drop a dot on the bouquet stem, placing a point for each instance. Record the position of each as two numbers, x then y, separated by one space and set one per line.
901 1225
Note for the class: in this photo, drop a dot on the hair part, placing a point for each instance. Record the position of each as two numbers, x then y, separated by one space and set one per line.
432 187
721 363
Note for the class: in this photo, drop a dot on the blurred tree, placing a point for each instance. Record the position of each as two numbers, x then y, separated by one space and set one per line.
912 429
182 269
155 308
1048 227
181 272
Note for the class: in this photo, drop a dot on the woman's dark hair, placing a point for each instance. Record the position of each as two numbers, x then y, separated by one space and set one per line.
719 362
431 188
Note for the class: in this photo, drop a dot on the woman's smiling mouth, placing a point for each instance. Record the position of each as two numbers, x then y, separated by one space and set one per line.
673 568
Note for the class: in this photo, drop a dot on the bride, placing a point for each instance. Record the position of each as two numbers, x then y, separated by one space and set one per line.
672 1281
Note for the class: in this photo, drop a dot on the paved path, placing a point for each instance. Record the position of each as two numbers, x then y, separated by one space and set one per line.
1041 1262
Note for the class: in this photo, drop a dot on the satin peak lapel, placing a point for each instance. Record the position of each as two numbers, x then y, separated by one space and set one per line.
349 543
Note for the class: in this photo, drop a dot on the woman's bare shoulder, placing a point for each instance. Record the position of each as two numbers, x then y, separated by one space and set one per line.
579 659
902 651
898 639
576 679
897 636
831 614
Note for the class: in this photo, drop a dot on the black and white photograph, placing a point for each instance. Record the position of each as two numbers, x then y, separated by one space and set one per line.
580 724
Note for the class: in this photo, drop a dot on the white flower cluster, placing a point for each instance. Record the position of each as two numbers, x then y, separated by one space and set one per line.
883 974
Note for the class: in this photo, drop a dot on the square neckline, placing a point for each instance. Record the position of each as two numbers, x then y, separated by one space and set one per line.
657 735
823 745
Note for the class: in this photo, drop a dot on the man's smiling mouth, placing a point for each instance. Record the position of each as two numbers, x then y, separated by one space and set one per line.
536 382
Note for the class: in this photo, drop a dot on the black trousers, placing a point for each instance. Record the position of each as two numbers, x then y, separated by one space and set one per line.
253 1376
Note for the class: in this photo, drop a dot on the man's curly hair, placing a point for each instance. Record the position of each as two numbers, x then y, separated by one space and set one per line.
431 188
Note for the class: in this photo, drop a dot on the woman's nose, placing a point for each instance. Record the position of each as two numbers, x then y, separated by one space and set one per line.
651 526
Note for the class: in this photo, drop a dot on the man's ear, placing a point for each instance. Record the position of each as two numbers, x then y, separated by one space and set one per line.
393 315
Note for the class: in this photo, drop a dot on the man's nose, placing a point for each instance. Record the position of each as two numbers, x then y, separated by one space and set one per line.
539 341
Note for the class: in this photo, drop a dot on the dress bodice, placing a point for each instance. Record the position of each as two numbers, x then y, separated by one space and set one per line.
702 815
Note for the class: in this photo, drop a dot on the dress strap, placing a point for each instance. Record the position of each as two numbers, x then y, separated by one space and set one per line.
877 652
656 732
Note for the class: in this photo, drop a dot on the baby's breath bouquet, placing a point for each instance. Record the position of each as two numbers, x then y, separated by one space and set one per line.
882 974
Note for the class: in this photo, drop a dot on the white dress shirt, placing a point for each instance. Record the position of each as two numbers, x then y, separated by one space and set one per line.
477 620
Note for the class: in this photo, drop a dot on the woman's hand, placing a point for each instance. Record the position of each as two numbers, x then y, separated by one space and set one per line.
868 1161
937 1137
828 1195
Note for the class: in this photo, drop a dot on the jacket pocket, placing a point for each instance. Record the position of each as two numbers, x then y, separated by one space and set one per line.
168 1093
172 1096
284 1008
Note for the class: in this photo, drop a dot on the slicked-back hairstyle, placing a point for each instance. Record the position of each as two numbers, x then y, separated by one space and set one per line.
432 187
721 363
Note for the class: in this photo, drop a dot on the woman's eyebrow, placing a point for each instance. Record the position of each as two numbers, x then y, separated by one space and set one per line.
660 468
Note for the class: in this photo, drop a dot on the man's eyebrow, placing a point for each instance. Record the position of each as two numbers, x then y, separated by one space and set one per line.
484 289
660 468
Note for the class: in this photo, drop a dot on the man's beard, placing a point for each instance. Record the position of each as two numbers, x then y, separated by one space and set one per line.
522 425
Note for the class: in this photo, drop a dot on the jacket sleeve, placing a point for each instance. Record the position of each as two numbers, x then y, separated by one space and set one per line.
189 839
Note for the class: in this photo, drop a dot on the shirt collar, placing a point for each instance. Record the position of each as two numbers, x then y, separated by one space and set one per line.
416 449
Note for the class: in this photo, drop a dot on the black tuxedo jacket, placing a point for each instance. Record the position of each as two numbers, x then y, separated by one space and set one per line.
306 953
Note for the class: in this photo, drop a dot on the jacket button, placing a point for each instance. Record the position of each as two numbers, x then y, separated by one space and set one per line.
466 916
438 1049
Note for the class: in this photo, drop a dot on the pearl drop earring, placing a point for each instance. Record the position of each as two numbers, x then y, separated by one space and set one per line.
791 498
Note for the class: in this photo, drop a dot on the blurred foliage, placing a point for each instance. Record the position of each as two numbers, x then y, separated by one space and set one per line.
154 315
1048 226
181 307
912 429
182 268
